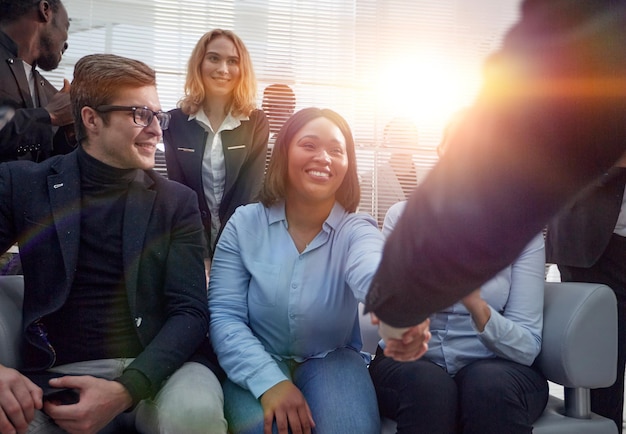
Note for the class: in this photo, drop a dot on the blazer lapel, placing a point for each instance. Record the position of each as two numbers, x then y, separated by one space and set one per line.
234 156
64 192
137 214
39 89
17 69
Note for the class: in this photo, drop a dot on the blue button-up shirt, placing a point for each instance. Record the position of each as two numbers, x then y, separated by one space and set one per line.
269 302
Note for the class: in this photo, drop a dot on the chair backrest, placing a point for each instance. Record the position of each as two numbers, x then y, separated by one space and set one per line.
11 297
579 348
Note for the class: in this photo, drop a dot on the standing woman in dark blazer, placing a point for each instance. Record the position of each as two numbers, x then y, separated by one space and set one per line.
217 139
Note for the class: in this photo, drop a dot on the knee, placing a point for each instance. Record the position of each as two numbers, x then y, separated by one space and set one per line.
193 417
191 407
482 380
487 384
411 388
413 380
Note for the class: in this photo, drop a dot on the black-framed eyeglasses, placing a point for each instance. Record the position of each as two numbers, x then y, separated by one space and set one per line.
142 116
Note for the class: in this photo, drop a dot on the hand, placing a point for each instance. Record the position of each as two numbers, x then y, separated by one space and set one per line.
100 401
60 107
285 403
478 308
19 397
622 161
412 345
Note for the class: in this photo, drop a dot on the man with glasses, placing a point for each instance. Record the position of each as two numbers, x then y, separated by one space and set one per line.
115 293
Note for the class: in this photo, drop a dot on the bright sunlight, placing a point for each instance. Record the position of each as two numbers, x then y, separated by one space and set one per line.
427 89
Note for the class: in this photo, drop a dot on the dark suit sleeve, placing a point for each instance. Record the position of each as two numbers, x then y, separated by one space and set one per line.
26 128
7 227
180 280
582 230
549 120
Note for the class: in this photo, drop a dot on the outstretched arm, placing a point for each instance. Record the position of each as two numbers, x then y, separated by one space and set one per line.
549 120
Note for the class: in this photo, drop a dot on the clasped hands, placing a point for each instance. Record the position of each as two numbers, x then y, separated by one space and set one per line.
412 345
414 341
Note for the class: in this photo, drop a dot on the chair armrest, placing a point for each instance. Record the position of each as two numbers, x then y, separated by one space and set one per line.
11 298
579 347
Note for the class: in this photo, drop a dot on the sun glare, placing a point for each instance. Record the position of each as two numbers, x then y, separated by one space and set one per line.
426 89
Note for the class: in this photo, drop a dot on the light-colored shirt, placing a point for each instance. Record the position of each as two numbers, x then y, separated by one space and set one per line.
269 302
515 297
213 166
28 70
620 226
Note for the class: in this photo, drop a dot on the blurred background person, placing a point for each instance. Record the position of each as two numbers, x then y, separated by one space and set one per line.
217 139
279 103
395 178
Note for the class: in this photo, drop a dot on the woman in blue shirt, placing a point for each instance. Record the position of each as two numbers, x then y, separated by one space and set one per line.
286 280
477 375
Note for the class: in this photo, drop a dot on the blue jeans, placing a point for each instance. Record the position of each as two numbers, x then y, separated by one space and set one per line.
490 396
190 401
337 388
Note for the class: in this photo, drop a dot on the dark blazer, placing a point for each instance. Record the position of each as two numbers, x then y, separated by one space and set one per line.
162 256
29 134
581 232
245 149
549 120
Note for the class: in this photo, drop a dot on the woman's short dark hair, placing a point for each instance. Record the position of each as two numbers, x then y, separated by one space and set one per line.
275 185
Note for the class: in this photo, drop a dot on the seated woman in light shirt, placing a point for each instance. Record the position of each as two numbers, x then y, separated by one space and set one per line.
477 375
286 279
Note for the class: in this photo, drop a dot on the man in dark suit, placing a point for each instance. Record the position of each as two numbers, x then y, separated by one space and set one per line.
33 35
35 118
113 271
550 119
587 240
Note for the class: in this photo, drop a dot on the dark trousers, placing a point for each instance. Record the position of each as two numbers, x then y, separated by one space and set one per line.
490 396
611 271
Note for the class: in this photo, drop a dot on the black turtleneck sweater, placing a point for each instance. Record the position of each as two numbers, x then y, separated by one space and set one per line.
95 322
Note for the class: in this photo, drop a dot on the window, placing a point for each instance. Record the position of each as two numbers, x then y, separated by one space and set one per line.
370 60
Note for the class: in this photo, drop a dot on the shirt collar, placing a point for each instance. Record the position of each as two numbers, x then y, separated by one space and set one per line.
230 122
337 213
